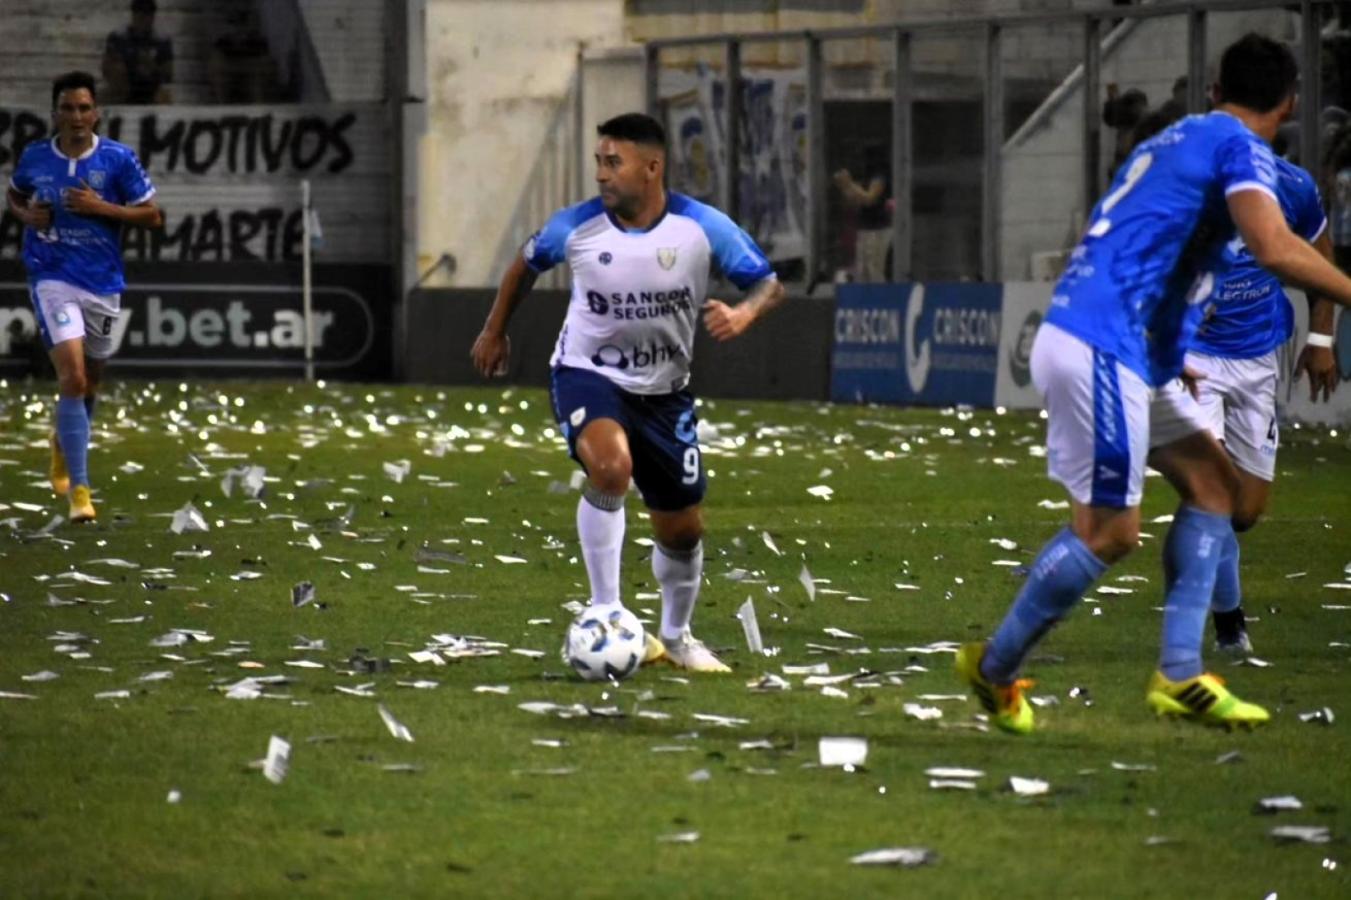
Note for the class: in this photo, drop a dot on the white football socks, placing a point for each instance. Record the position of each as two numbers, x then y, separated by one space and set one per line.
600 526
679 573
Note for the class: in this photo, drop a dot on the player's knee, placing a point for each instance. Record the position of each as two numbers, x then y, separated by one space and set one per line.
1245 518
683 538
72 384
611 474
1113 543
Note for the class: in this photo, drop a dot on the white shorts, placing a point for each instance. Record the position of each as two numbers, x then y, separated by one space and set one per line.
1238 400
1098 420
1174 415
66 312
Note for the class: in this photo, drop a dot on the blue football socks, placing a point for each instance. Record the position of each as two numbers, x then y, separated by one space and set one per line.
1063 571
72 429
1227 597
1193 550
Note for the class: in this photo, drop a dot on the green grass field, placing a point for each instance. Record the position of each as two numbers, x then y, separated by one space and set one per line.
493 800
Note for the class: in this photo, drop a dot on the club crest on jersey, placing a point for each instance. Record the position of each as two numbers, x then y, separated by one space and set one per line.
666 257
606 258
578 416
97 178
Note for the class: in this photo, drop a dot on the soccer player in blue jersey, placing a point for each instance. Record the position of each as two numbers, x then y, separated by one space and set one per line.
1232 372
1121 319
640 258
73 194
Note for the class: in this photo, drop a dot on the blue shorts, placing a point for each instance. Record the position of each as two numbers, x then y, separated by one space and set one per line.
662 432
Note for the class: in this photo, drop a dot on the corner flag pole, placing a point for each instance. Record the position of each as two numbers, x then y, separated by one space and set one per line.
306 290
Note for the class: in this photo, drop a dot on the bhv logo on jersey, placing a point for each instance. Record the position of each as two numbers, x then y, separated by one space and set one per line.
666 257
610 356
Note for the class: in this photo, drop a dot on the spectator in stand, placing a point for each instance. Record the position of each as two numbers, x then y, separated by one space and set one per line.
1123 113
1337 188
241 68
138 64
870 200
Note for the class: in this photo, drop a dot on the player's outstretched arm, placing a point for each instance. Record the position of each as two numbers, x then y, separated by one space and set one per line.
725 322
1279 250
1317 359
492 348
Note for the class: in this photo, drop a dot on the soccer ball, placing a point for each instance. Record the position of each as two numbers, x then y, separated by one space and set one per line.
604 643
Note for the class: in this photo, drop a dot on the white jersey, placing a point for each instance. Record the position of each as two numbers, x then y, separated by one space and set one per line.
636 294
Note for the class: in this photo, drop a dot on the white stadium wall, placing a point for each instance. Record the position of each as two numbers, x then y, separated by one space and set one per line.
498 72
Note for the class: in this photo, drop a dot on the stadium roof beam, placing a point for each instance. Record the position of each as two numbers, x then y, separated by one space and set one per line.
965 23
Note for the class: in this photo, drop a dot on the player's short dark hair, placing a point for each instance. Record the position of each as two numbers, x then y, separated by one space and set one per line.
640 128
1258 73
73 81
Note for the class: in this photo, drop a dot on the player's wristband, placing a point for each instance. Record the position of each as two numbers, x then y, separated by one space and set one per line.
1318 340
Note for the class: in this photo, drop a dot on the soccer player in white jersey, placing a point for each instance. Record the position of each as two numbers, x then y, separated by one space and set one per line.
73 194
640 258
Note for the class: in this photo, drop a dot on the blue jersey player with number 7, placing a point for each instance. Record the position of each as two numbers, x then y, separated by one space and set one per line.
74 193
1121 320
640 258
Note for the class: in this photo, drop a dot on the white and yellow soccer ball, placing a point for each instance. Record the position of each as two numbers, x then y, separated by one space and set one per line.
604 643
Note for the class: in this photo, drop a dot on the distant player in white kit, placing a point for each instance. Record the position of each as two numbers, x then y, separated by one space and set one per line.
640 257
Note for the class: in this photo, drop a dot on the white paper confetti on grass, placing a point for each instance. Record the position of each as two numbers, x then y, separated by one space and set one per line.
720 721
808 583
953 772
769 542
751 627
509 560
188 518
923 713
813 669
1309 834
824 491
678 837
396 728
13 695
842 751
1285 803
905 857
278 760
398 470
1029 787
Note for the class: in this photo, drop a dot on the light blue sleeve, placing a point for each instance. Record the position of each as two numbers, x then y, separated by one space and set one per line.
548 247
133 183
1312 219
22 179
737 254
1244 163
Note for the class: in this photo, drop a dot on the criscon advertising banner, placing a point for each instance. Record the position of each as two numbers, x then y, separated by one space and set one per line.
972 344
930 344
229 319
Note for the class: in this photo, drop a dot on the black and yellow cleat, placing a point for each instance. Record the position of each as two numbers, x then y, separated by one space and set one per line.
1203 699
1008 708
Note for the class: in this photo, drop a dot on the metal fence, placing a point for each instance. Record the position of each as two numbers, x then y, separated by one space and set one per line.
987 135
